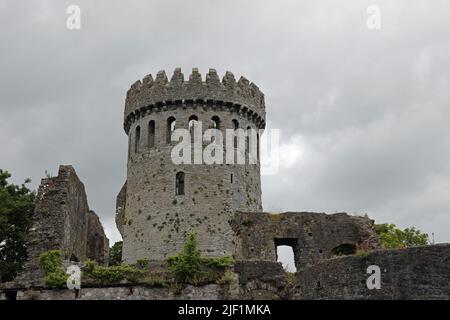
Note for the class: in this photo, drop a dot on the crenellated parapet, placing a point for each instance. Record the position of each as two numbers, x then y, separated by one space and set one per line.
153 95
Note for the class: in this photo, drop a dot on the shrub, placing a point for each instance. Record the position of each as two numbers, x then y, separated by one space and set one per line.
51 263
56 280
189 267
114 274
222 262
185 267
142 263
362 253
89 266
94 275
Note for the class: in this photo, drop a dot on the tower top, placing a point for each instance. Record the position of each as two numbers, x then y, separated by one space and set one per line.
159 92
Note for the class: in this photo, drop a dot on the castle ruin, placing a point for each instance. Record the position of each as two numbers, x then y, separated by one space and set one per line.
161 201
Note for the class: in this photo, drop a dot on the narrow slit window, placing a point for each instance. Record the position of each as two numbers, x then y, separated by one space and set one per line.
257 146
151 134
137 139
179 183
235 127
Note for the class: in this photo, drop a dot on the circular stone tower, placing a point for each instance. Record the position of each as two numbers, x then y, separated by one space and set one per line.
162 201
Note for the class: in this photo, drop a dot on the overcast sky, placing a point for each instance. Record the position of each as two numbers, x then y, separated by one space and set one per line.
364 113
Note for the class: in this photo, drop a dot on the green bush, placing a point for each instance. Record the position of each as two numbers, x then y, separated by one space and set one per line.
89 266
142 263
189 267
114 274
222 262
56 280
95 275
392 237
51 263
185 267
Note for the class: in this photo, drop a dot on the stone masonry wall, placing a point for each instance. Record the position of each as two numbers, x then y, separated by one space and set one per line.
155 220
97 242
412 273
208 292
313 236
62 221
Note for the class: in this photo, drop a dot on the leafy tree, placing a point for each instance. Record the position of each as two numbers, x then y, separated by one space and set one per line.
115 254
16 211
393 237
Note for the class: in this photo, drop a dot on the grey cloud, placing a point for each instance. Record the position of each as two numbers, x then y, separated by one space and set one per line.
371 106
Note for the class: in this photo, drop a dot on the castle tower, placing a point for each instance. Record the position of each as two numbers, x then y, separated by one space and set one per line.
162 201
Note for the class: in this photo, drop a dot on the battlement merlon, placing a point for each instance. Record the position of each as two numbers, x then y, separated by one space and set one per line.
149 94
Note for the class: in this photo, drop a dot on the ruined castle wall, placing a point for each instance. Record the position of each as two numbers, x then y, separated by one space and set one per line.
120 208
313 236
412 273
260 280
207 292
62 221
97 243
156 220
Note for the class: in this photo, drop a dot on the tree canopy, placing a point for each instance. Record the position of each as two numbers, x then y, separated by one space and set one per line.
392 237
115 254
16 211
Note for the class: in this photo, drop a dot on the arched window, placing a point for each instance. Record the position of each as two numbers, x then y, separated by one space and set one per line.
171 122
151 133
193 123
137 139
235 127
215 122
179 184
235 124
